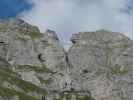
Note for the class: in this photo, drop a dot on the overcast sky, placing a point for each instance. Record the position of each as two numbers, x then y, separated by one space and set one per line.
70 16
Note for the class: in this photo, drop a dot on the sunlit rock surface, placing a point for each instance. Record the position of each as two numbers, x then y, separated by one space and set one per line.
35 66
101 62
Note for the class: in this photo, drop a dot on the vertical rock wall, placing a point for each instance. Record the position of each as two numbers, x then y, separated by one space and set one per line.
98 66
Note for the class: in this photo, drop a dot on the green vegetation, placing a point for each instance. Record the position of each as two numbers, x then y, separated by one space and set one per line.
36 68
117 69
25 86
35 35
21 38
20 34
10 93
3 28
77 97
70 95
84 98
7 69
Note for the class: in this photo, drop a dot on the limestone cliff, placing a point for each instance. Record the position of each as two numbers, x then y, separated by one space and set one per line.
101 62
34 66
36 58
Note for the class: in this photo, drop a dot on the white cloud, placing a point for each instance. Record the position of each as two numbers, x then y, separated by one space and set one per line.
70 16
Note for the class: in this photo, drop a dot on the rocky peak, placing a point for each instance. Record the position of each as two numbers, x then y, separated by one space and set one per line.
100 61
28 50
22 43
51 34
98 66
99 35
17 25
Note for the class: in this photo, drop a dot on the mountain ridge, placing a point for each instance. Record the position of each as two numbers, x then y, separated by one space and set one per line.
98 66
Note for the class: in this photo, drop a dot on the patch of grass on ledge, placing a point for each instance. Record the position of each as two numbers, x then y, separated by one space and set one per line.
69 97
24 85
119 70
35 35
36 68
3 28
10 93
84 98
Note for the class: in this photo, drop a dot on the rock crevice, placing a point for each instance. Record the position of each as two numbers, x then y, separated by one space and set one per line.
98 66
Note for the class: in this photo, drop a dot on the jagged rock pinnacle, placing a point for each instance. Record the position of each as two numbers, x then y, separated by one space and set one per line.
34 66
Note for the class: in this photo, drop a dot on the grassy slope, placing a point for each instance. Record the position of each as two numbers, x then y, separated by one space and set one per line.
6 75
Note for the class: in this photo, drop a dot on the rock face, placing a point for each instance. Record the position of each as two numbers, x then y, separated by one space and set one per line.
34 66
35 57
101 62
23 44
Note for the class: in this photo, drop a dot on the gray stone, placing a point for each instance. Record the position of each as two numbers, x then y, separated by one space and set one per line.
98 65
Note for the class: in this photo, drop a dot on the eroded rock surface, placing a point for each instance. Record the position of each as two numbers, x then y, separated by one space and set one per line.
35 57
100 61
34 66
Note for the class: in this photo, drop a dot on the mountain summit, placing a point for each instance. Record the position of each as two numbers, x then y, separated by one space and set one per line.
34 66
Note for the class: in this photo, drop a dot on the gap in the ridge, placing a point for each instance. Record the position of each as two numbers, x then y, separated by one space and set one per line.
72 16
65 40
